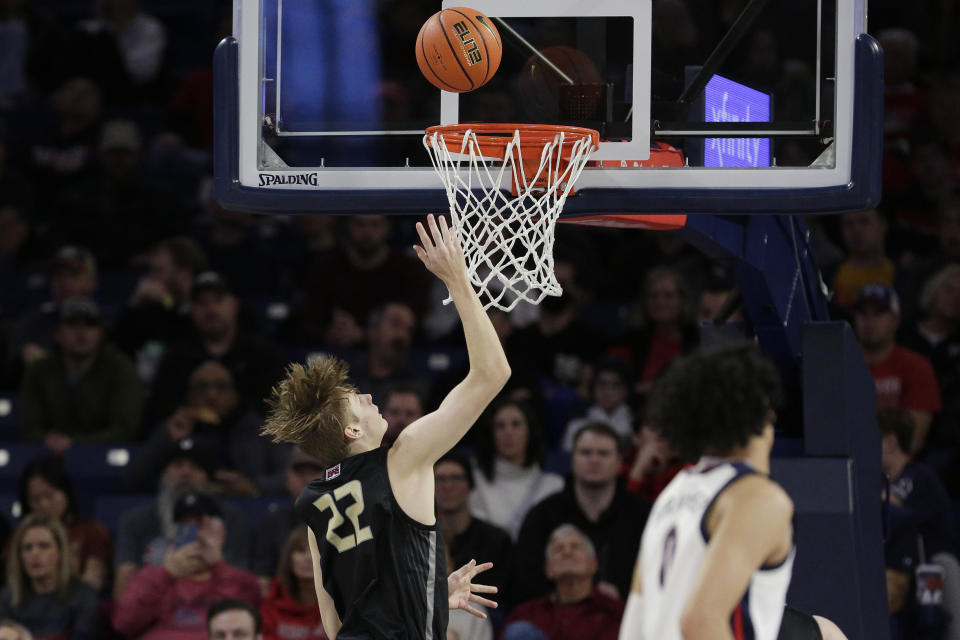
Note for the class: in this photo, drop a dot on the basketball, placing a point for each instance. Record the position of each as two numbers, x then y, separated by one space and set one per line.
458 49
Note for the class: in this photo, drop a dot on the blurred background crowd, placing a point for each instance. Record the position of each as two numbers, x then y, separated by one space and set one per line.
142 326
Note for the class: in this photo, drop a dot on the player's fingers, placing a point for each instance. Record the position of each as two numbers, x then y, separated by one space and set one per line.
480 568
482 588
417 249
435 230
476 612
444 230
425 241
483 601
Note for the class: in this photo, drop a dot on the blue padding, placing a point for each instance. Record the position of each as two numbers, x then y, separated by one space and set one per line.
7 502
9 417
108 510
256 508
100 467
787 448
558 461
14 456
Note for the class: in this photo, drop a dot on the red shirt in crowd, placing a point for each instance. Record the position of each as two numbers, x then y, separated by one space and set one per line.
597 617
157 606
905 380
286 619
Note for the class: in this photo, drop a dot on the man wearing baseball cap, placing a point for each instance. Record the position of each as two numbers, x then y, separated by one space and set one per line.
72 272
85 389
904 379
171 599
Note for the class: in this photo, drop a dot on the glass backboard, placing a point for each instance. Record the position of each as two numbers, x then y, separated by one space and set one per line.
321 106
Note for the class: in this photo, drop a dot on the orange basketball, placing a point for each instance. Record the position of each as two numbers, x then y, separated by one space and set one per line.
458 49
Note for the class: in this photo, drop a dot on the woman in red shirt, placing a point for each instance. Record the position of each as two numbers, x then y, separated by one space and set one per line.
290 609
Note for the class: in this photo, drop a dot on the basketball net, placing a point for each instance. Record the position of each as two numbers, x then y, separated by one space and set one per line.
508 237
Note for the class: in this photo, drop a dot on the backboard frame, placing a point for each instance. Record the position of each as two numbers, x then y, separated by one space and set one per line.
852 183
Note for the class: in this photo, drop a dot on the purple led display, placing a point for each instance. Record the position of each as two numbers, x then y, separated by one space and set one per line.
729 101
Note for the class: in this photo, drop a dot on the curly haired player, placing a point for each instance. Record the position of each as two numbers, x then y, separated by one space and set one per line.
377 553
717 551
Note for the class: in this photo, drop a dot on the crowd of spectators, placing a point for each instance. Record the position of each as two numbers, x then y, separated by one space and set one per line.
137 313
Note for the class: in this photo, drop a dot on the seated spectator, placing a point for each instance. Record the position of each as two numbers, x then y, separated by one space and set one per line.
46 489
254 361
73 272
273 529
63 153
139 37
158 312
403 404
947 253
172 599
575 608
558 345
915 486
255 253
650 464
116 211
86 390
717 289
611 383
290 610
390 330
508 478
41 593
213 415
864 235
234 620
464 536
904 379
10 630
937 337
667 330
595 503
342 287
900 552
146 532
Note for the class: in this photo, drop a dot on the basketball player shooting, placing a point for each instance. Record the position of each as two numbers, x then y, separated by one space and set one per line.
378 556
717 551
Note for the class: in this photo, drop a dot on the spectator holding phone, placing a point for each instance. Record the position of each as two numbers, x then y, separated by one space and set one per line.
171 600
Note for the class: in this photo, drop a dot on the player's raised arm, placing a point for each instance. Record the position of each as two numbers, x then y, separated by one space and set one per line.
424 441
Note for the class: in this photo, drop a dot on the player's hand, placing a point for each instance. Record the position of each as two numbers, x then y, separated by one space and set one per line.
440 251
462 591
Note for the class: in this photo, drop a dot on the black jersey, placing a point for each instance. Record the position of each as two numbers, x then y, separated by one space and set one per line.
385 571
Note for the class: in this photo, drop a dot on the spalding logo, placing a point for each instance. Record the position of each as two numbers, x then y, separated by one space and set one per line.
270 179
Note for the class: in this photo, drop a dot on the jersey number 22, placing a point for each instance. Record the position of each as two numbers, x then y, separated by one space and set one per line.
360 534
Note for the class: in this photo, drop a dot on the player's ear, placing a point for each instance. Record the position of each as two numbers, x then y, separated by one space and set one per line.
352 432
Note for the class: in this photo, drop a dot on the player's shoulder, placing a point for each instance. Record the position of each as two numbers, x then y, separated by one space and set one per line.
757 492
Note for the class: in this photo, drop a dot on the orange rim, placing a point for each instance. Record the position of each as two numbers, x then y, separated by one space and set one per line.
493 138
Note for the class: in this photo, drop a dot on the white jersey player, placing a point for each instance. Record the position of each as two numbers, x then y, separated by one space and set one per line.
717 551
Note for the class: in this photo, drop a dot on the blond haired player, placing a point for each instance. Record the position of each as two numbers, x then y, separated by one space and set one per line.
377 552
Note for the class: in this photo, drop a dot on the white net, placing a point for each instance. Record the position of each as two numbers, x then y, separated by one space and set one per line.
507 239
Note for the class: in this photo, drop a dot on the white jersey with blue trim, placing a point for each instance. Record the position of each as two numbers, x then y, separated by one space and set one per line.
672 549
